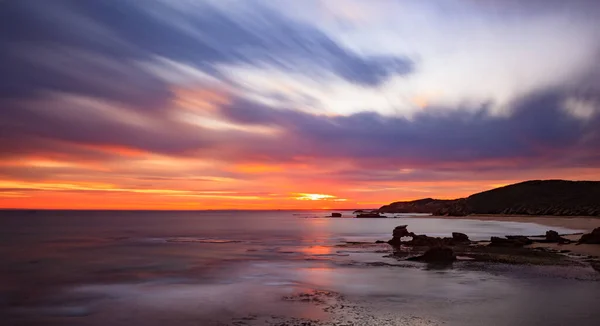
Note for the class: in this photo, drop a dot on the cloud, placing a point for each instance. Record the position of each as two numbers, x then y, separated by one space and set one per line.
538 131
92 47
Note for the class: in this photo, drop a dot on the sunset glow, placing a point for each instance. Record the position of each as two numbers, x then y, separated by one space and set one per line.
353 105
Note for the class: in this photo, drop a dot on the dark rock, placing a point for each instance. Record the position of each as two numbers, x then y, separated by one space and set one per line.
505 242
401 231
379 241
553 237
591 238
336 214
397 234
460 237
437 255
525 240
422 240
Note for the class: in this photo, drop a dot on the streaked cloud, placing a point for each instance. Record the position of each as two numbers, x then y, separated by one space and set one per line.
208 104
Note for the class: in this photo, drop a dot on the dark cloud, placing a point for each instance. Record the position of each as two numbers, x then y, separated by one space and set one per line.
539 131
94 47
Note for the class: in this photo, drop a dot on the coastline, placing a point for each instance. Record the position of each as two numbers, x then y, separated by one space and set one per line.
585 223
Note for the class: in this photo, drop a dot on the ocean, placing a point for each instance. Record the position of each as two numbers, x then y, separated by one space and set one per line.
267 268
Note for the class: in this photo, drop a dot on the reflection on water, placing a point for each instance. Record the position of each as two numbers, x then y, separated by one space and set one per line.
317 250
125 268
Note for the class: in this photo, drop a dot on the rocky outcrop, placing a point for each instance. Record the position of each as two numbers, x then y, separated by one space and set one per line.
513 241
438 255
422 240
591 238
397 234
536 197
336 214
520 238
460 237
511 249
553 237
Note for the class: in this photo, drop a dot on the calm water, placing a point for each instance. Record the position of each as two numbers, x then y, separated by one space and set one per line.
204 268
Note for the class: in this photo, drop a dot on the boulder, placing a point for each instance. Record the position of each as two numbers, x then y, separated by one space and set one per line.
379 241
460 237
553 237
437 255
591 238
336 214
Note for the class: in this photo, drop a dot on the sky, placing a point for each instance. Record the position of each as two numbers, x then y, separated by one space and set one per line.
284 104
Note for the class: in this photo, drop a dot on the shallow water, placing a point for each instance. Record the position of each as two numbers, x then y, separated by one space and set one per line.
156 268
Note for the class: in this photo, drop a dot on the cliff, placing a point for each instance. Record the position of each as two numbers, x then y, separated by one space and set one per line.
536 197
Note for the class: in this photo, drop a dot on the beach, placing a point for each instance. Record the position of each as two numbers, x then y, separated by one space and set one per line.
587 223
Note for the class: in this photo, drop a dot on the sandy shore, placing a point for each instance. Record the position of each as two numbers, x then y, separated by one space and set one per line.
585 223
576 222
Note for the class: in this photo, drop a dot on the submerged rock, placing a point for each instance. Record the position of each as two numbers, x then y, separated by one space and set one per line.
422 240
591 238
513 241
525 240
336 214
437 255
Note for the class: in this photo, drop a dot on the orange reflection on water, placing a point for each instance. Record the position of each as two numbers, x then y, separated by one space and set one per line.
317 250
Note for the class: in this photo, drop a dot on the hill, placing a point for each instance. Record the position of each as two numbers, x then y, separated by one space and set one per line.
536 197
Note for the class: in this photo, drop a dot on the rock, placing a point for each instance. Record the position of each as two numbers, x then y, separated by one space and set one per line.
401 231
591 238
397 234
437 255
505 242
460 237
422 240
336 214
553 237
520 238
379 241
370 215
